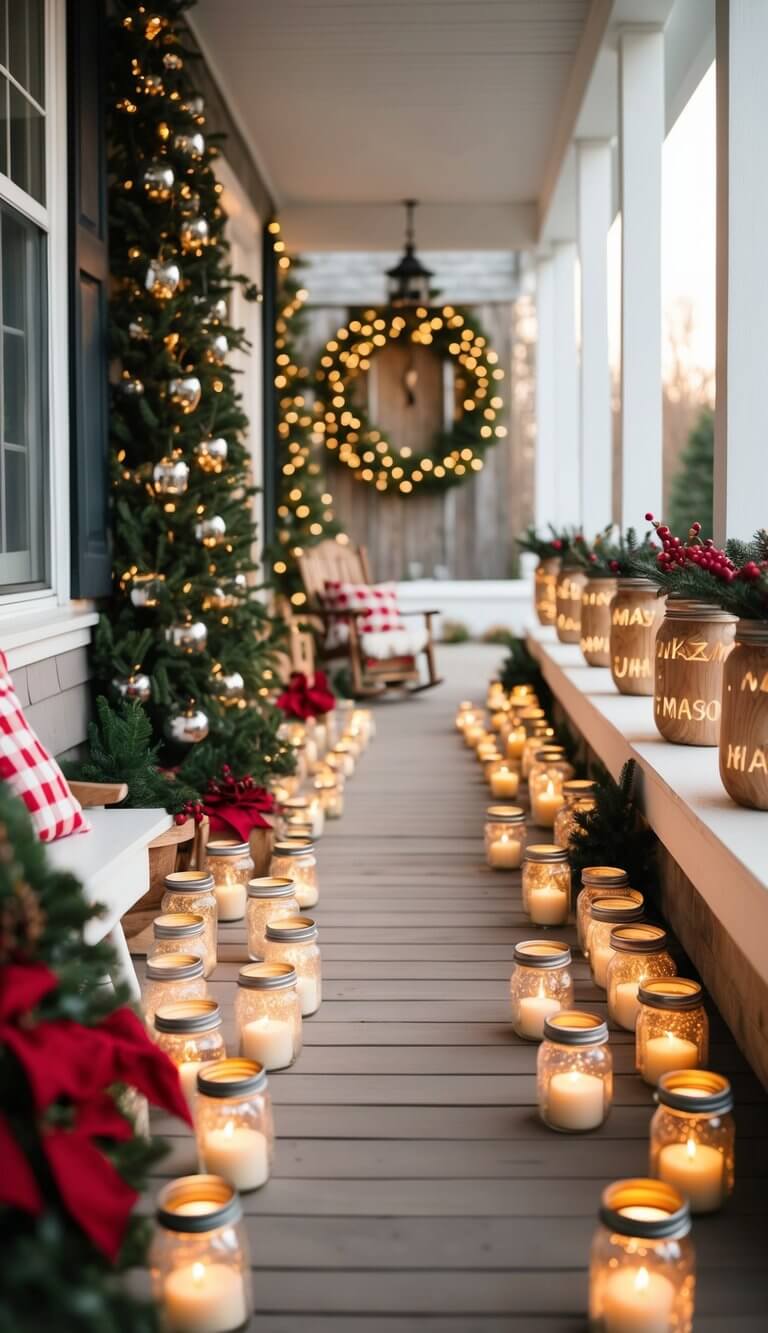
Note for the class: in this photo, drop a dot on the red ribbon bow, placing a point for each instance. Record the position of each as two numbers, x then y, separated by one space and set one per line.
236 805
303 700
65 1062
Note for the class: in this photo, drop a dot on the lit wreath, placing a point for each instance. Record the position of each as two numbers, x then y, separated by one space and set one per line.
453 455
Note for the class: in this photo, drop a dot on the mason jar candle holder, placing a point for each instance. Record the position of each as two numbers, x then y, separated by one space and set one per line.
489 762
642 1274
192 891
169 977
672 1029
330 792
596 882
363 724
464 712
233 1123
294 858
541 735
568 590
268 1014
546 802
505 836
293 939
606 913
486 749
549 764
342 757
693 1137
474 730
229 861
180 932
546 884
636 613
515 742
744 722
639 955
269 897
578 795
198 1259
306 810
189 1031
594 639
503 779
574 1072
544 583
692 644
540 986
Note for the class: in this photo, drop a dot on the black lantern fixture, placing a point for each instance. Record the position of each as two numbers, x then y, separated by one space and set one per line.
408 283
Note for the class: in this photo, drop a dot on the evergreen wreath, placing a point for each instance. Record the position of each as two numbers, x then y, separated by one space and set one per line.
454 454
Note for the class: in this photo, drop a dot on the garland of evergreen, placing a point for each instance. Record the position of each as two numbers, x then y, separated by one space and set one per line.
613 834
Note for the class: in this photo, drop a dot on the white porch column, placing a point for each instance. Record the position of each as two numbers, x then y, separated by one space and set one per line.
594 219
742 277
566 395
544 456
641 135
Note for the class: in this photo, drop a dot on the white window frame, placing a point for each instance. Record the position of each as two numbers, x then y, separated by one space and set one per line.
52 219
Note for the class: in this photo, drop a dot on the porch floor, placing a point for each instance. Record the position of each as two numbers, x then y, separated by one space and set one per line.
414 1186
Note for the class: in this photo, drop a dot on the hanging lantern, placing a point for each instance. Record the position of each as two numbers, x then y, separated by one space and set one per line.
158 180
185 392
211 531
189 727
163 278
194 234
190 145
171 476
408 283
189 635
212 454
135 686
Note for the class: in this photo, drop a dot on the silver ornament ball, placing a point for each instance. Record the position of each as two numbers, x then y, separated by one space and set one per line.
136 330
189 635
218 348
185 392
228 688
135 686
212 454
146 589
158 180
194 234
211 531
163 278
189 145
171 476
189 727
131 387
172 61
218 310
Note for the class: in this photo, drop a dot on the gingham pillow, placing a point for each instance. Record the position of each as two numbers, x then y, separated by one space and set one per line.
32 773
378 601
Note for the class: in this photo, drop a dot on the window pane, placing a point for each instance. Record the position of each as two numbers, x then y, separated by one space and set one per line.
25 45
4 125
27 146
3 31
16 501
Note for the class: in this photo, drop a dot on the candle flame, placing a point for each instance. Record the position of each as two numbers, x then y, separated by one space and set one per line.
691 1148
642 1280
198 1272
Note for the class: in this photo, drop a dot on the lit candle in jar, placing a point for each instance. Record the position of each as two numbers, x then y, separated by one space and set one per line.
697 1170
532 1010
238 1154
575 1101
230 901
637 1301
204 1298
505 853
627 1005
269 1041
548 904
504 782
545 805
666 1053
188 1071
516 743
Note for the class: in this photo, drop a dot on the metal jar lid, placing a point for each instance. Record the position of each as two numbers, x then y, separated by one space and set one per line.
546 851
290 928
550 756
173 966
698 1091
604 877
195 1204
579 787
648 1209
189 881
574 1027
630 582
270 886
682 608
628 908
293 847
640 938
178 925
226 847
267 976
505 814
188 1016
231 1078
295 803
671 993
542 953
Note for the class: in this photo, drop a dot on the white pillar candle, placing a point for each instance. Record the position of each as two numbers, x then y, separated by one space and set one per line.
547 905
504 782
316 817
268 1040
230 901
505 853
204 1298
239 1154
531 1012
663 1054
626 1005
575 1101
697 1170
310 994
545 805
599 957
637 1301
307 892
188 1072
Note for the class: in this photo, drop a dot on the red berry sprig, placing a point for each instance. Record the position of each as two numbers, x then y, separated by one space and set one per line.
704 554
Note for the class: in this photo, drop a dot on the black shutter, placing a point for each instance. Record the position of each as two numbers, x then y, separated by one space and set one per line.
89 270
269 314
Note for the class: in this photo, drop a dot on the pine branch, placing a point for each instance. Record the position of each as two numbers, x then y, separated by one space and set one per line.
613 832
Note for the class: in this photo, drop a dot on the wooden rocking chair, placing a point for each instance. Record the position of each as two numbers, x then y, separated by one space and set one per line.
332 562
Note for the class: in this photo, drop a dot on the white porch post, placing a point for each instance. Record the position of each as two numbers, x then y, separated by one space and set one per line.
641 135
594 219
566 395
742 278
544 457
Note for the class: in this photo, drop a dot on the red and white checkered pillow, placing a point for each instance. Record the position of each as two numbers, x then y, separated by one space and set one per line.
378 601
32 773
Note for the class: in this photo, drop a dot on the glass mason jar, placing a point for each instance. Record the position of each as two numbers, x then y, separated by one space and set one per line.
233 1123
594 640
464 712
596 882
490 763
544 582
503 779
546 884
475 730
693 1137
672 1028
540 986
639 954
692 644
604 914
330 792
505 836
268 898
574 1072
550 764
189 1031
294 858
192 891
229 861
642 1270
744 723
305 810
293 939
570 585
268 1014
169 977
514 743
578 794
180 932
198 1259
636 613
342 758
